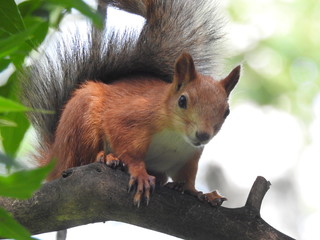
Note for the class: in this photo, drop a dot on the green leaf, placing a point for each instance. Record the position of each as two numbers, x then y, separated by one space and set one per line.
13 136
7 123
7 105
27 8
56 16
10 228
39 30
10 44
10 18
20 32
9 89
82 7
4 63
13 25
24 183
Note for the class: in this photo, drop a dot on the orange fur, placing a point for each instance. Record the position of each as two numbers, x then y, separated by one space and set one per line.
133 114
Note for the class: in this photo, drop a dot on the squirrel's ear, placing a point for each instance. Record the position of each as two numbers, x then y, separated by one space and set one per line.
231 80
184 70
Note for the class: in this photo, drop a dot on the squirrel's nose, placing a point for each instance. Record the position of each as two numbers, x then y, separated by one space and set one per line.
202 136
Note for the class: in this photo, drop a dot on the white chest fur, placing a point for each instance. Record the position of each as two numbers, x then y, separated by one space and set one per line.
168 152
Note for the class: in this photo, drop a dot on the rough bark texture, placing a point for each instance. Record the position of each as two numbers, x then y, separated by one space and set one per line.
96 193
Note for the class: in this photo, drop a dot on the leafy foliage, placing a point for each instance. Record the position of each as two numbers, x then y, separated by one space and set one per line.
278 42
23 28
7 105
10 228
23 183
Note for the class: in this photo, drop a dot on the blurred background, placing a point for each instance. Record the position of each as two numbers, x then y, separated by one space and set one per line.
274 126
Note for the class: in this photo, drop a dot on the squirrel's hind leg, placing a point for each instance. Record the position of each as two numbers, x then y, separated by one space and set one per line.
110 159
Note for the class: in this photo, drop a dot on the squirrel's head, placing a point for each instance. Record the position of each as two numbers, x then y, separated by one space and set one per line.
199 103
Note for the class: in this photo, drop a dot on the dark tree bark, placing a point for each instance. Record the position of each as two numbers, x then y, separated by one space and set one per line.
96 193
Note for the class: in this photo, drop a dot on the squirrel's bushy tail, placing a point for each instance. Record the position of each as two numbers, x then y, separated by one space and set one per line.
171 27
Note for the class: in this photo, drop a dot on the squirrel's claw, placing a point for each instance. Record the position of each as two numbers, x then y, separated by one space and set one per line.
113 161
214 198
144 186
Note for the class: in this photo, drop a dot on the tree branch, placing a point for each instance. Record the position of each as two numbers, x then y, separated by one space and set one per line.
256 195
96 193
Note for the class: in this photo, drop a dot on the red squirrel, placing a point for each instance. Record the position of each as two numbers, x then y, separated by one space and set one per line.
150 101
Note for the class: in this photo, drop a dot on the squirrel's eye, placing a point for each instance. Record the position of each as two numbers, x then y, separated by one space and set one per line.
226 113
182 102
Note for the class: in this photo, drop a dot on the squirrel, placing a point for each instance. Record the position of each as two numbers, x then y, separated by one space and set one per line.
147 101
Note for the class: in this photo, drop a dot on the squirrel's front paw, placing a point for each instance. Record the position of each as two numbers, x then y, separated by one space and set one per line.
214 198
144 185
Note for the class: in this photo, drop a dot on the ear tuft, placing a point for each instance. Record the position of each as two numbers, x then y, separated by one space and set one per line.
231 80
184 70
